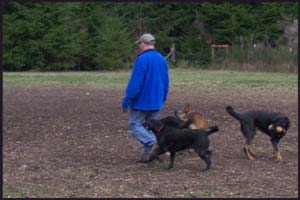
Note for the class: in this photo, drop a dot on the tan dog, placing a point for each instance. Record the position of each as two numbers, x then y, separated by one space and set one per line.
199 122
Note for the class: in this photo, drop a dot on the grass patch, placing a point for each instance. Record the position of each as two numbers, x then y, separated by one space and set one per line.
223 78
178 77
101 79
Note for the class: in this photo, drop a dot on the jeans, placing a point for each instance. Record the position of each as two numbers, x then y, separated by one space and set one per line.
137 130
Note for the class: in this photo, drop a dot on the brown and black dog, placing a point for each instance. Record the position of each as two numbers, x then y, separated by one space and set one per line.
199 122
274 124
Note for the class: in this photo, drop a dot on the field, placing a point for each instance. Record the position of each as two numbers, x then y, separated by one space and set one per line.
66 136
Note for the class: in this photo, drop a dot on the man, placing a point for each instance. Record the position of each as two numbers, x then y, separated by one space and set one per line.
146 92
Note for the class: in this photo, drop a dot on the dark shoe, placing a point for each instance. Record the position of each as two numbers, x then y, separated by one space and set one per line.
143 160
148 150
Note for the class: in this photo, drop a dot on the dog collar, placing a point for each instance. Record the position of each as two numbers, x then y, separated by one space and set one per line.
158 131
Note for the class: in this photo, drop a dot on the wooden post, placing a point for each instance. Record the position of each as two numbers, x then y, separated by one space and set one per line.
226 56
212 55
213 52
173 50
172 54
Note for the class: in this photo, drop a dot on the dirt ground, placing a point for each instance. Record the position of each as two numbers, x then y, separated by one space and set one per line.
73 142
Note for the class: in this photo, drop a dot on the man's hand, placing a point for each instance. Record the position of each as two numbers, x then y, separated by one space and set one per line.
125 105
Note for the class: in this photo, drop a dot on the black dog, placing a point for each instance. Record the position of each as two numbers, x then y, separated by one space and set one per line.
172 121
173 140
273 124
176 122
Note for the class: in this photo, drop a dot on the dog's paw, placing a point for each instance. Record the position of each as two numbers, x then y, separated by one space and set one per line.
279 160
277 156
204 170
168 167
251 153
249 156
168 154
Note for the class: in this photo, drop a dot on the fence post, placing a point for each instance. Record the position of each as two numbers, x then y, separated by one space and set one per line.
226 56
213 52
173 50
212 55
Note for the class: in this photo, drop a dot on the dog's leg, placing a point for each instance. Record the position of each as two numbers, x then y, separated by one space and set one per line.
250 150
247 151
192 126
249 135
206 157
209 153
277 153
156 151
172 158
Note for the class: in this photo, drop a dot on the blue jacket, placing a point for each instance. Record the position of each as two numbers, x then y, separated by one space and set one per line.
148 86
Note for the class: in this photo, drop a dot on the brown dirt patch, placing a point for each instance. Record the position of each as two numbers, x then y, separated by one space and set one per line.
73 142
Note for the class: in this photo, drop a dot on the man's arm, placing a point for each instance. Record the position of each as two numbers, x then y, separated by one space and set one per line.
135 83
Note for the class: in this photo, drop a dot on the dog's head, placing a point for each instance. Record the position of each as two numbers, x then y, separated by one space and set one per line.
183 114
280 125
154 125
175 122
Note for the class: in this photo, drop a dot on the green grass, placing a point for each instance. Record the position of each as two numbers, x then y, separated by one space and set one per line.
104 79
222 78
178 77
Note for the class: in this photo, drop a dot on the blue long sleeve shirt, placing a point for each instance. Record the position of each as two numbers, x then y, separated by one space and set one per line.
148 85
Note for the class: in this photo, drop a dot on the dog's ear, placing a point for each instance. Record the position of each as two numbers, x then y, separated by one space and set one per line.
271 127
148 123
153 125
187 109
179 114
145 125
281 124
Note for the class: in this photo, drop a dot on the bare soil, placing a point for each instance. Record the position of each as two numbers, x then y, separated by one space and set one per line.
73 142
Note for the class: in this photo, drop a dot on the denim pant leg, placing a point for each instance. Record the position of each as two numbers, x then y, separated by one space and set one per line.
153 115
136 128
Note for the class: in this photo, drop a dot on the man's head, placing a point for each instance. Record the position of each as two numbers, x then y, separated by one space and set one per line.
145 42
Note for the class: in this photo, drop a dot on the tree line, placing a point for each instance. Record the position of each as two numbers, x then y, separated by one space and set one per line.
100 36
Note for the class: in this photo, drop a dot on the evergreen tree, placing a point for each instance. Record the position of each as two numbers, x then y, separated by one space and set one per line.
104 41
21 40
99 36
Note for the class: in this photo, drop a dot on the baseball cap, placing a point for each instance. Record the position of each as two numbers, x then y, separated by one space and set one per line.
146 38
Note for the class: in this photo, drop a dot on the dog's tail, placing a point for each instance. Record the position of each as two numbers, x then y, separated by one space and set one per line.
233 113
213 129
